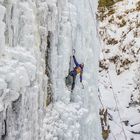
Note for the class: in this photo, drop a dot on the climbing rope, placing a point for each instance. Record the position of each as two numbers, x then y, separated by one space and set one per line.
114 95
72 48
113 136
99 96
73 36
116 100
71 29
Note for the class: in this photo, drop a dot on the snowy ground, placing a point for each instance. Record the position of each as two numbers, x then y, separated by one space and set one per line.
118 69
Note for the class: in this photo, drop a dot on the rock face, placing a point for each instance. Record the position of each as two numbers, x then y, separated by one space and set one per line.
37 39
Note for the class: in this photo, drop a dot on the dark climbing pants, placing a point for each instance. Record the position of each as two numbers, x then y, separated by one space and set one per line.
73 82
73 74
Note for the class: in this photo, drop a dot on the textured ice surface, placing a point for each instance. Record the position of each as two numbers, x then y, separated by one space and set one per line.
25 28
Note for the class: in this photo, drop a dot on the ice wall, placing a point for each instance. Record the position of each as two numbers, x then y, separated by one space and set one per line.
37 39
22 71
2 25
76 29
87 51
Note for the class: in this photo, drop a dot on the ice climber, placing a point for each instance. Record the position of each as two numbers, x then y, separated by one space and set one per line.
76 70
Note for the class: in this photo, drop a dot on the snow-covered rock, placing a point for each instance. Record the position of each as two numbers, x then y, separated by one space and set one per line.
119 62
37 39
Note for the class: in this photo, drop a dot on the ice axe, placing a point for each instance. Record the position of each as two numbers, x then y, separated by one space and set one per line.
74 51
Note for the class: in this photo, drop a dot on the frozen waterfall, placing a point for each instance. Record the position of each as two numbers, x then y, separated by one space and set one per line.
36 41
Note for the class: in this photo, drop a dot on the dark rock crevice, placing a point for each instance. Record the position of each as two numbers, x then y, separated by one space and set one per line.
48 69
